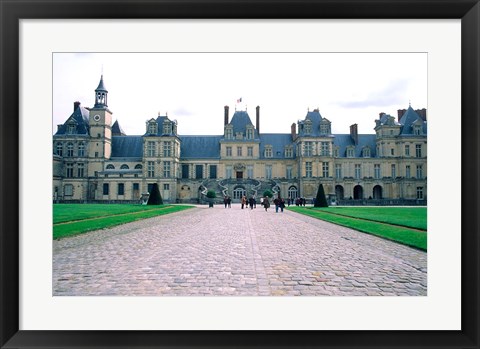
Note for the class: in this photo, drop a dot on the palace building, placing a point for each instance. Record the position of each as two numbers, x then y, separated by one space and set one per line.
94 160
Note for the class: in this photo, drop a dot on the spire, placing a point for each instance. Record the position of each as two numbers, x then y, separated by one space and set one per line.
101 95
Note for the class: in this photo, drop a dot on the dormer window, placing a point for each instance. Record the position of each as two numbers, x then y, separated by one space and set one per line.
124 167
417 130
152 127
228 132
239 135
249 133
335 151
366 152
308 126
325 127
268 151
110 167
350 152
71 129
167 128
288 151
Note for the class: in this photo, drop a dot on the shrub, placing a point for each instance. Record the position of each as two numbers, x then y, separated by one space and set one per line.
211 194
320 200
155 198
268 193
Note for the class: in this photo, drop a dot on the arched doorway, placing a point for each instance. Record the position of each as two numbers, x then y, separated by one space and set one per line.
339 192
357 192
238 192
293 192
377 192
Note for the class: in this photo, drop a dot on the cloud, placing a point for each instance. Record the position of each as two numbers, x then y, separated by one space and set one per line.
182 112
392 94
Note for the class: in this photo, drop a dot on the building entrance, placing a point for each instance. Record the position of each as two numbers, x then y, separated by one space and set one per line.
239 174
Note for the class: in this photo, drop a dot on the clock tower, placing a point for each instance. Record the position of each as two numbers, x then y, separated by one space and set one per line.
100 122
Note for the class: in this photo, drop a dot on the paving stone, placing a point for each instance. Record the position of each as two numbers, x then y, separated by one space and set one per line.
215 252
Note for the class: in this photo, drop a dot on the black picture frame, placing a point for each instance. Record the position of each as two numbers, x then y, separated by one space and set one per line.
12 11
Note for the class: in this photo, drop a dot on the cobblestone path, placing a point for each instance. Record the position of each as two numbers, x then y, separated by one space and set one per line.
217 251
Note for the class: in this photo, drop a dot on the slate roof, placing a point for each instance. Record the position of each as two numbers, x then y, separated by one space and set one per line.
117 129
240 120
160 120
315 118
101 86
127 147
278 141
408 119
345 140
80 117
200 147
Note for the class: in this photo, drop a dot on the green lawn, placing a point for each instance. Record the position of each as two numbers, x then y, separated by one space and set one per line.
72 219
372 221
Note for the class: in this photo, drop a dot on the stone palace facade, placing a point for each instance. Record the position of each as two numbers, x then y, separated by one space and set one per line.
94 160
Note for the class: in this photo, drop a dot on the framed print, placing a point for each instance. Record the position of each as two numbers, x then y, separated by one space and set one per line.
342 48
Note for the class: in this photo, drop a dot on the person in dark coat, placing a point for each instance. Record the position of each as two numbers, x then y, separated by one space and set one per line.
225 201
229 202
266 203
250 202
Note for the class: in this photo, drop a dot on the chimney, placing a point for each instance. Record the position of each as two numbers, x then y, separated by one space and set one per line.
400 113
258 119
422 113
226 115
354 133
381 114
76 105
294 131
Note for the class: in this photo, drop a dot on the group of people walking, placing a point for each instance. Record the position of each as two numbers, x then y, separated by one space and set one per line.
252 203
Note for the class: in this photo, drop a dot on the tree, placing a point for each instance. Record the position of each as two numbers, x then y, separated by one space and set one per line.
320 200
155 198
211 194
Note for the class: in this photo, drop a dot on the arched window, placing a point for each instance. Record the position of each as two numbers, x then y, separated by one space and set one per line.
59 149
124 167
293 192
339 192
138 167
377 192
81 149
69 149
110 167
358 192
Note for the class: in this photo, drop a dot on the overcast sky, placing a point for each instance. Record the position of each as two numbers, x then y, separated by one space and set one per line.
193 88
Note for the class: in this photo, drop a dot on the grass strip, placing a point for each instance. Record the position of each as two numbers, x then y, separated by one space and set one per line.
90 224
411 217
75 212
403 235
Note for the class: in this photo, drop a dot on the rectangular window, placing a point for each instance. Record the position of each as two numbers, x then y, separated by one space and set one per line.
249 171
166 186
420 193
121 189
136 186
376 171
324 149
185 171
307 148
81 149
239 151
228 172
250 151
150 169
419 171
213 171
69 170
407 150
68 190
96 154
407 171
80 170
268 171
166 169
394 171
167 149
249 133
418 150
150 148
350 152
308 169
325 169
105 188
198 171
392 151
289 172
358 171
229 151
338 170
150 187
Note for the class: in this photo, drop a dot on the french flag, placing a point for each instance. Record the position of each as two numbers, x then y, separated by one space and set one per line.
239 100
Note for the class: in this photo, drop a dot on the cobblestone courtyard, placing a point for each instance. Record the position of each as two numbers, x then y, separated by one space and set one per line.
217 251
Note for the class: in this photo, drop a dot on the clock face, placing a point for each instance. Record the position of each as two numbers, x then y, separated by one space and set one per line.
96 117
